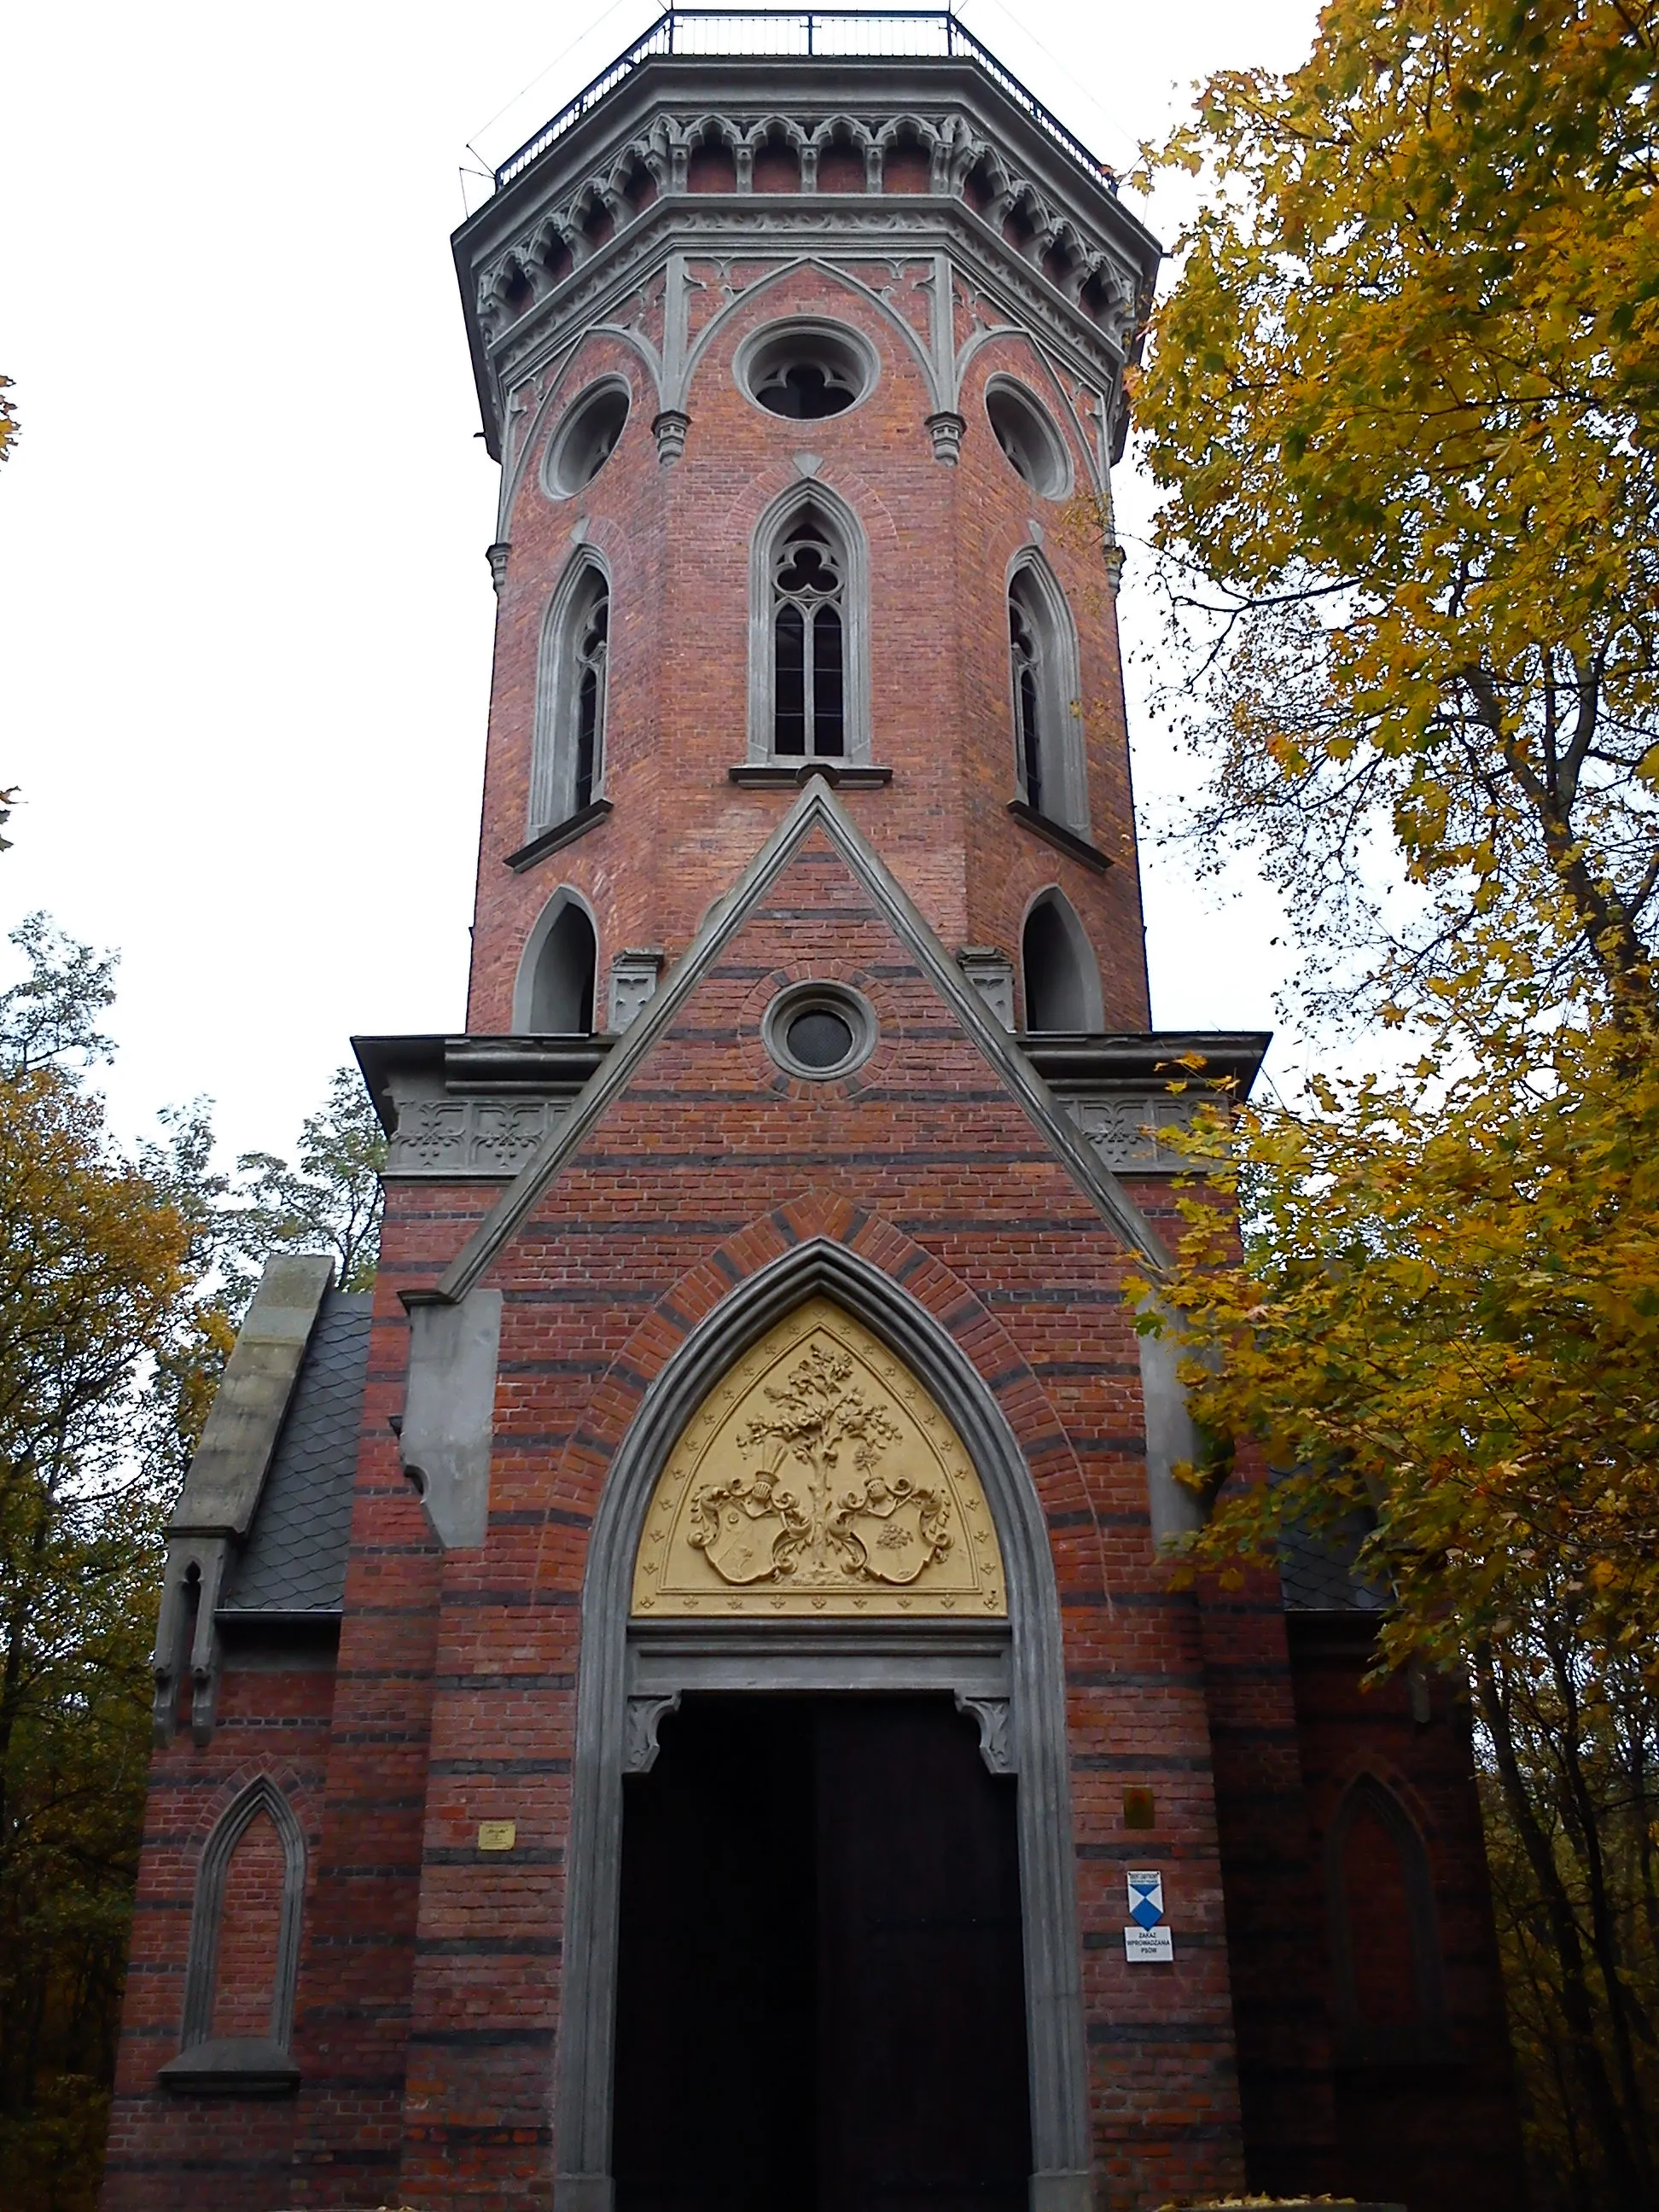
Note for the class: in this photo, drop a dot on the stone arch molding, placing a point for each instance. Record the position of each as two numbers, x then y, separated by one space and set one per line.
264 2065
769 281
810 492
630 1676
523 981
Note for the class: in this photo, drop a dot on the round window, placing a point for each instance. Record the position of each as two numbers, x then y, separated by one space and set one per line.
1029 440
819 1029
587 438
806 371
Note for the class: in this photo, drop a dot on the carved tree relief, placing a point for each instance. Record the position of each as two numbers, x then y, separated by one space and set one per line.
819 1477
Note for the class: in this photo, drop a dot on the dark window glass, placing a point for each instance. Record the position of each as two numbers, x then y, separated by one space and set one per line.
789 721
819 1038
809 678
591 649
1022 646
805 393
828 720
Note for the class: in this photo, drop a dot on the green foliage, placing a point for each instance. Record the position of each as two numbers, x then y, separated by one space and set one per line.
330 1202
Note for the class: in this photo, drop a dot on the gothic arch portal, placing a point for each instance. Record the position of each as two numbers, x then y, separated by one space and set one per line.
1009 1674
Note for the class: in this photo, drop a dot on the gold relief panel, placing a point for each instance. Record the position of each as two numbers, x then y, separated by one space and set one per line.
818 1477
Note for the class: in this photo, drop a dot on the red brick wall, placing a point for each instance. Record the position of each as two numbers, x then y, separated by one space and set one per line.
677 541
167 2150
706 1167
250 1924
1440 2135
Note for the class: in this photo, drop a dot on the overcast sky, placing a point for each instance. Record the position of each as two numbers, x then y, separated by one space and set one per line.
245 614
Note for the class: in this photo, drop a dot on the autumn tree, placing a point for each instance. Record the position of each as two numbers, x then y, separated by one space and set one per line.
122 1280
1401 401
1403 397
93 1283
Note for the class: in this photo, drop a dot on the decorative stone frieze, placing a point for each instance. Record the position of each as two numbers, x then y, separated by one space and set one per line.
670 165
1125 1128
450 1137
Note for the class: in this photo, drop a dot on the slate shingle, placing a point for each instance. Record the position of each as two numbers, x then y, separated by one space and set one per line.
294 1558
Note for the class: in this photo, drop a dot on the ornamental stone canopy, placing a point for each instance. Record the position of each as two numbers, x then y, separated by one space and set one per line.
689 164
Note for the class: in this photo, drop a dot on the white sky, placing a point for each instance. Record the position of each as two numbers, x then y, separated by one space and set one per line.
245 614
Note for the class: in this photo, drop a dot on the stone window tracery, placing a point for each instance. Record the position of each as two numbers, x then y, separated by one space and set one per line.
1048 763
809 679
809 712
572 684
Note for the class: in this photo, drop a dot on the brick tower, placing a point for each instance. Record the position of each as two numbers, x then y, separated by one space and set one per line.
675 1702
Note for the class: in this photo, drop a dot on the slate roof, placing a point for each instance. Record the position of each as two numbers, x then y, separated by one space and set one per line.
294 1558
1315 1574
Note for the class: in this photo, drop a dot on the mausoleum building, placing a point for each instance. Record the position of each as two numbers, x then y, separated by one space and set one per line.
674 1704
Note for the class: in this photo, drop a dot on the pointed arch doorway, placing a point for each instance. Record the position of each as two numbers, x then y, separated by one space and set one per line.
820 1702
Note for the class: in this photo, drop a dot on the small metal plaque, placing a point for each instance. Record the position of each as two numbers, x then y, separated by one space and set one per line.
1148 1945
1138 1810
497 1835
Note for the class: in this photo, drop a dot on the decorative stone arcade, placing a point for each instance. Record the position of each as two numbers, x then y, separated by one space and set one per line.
678 1703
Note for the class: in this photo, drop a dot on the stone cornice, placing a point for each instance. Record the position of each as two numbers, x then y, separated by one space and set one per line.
551 253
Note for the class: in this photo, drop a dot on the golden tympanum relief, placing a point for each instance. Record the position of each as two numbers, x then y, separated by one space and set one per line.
819 1477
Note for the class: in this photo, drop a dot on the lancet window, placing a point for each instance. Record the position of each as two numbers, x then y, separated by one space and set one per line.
809 683
568 770
1048 763
808 709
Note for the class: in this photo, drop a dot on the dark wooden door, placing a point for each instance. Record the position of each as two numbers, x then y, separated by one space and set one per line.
820 2003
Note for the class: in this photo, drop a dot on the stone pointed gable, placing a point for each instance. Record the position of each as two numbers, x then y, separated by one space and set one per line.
816 813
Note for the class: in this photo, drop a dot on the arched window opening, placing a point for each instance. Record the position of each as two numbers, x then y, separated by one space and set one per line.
1048 763
1385 1946
562 990
1062 985
592 643
250 1932
1028 699
809 711
568 770
809 654
244 1955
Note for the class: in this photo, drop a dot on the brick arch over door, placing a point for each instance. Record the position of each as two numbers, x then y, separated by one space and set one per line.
1054 2018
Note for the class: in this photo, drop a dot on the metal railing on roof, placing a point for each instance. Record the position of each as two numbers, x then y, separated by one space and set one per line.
901 32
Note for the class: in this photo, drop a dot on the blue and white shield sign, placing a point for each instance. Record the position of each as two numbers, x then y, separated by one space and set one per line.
1147 1941
1146 1899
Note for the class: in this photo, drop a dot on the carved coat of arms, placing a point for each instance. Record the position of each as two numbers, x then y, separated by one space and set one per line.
819 1476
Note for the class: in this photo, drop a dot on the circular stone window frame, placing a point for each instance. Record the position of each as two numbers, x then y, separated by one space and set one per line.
749 362
1047 432
569 428
841 999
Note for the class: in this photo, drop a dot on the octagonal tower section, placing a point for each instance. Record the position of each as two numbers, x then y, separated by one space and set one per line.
805 377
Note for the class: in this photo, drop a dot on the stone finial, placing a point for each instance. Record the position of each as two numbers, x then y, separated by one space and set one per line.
671 427
946 430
